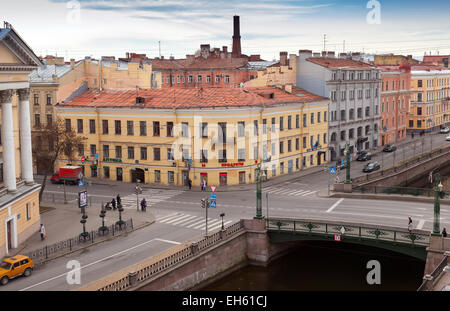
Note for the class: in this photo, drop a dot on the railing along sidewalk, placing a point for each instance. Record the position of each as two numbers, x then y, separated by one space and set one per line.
429 279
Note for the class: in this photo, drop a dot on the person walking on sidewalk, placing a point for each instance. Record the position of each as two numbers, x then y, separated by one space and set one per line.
143 205
410 225
204 185
412 135
113 203
444 233
118 200
42 232
190 183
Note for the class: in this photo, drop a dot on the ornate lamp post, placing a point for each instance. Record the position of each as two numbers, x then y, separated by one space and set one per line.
437 206
347 166
84 234
221 215
258 193
120 222
103 228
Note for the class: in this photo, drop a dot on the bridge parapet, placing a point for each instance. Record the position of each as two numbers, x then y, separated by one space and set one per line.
349 229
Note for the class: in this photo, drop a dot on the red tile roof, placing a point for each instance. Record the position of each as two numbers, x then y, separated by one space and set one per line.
425 67
198 63
330 62
434 58
192 98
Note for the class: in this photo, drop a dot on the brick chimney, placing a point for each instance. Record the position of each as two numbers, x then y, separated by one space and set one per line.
72 63
283 58
205 50
236 52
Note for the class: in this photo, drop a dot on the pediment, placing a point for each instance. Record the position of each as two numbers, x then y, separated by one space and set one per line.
14 50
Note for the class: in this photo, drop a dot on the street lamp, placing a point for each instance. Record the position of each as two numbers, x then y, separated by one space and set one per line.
437 193
347 158
258 193
221 215
84 234
103 228
120 222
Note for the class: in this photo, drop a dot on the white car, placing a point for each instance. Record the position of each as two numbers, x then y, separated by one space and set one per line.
448 138
445 130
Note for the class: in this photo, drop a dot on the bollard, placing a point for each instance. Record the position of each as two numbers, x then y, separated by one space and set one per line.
131 223
70 244
46 252
113 229
92 237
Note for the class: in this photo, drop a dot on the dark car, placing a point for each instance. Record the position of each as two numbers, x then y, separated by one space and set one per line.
389 148
364 156
371 166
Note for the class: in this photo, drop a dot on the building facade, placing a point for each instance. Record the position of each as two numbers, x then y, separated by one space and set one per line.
354 91
430 96
214 134
19 195
395 97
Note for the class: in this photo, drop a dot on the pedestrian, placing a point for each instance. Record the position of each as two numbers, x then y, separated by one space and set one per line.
444 233
201 185
42 232
143 205
113 203
108 206
204 184
190 183
412 135
410 225
118 200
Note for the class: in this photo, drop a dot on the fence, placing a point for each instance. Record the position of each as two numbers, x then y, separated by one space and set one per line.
168 262
429 279
400 190
64 247
400 166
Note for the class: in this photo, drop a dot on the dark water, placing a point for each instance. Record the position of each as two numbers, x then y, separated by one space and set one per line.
327 266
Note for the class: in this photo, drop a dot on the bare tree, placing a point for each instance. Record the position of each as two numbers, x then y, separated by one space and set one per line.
51 143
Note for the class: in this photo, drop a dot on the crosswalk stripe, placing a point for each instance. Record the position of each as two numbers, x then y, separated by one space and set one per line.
299 192
195 223
165 216
204 225
220 226
186 221
210 224
176 219
170 218
311 192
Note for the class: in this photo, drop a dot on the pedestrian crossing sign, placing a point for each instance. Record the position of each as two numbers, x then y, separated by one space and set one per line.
332 171
213 203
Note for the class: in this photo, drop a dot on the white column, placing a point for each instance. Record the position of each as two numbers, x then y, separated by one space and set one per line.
26 155
9 163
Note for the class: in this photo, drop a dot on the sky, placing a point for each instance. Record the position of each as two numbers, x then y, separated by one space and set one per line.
75 29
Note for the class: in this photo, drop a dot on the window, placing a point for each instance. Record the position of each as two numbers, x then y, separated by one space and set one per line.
411 123
118 127
155 128
264 126
222 132
343 95
242 177
199 79
297 121
352 114
419 111
342 114
169 154
143 128
318 117
359 112
157 176
297 143
93 150
342 135
227 79
304 142
185 155
241 155
130 128
312 118
325 116
351 133
91 126
217 79
367 130
143 153
36 99
204 129
28 214
241 129
119 152
273 125
419 97
281 147
189 79
79 126
419 83
281 123
68 123
208 79
367 111
105 126
203 156
333 96
324 138
169 129
223 155
49 119
184 129
255 128
106 171
49 99
289 145
130 152
156 154
289 122
106 151
178 79
170 177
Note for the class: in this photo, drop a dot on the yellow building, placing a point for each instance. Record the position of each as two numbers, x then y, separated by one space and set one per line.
213 134
430 93
19 195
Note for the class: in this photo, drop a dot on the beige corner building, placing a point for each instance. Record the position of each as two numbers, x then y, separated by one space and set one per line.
19 195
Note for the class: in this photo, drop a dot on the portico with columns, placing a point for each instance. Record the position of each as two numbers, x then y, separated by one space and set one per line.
19 194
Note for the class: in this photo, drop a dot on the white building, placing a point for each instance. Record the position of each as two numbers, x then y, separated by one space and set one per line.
353 87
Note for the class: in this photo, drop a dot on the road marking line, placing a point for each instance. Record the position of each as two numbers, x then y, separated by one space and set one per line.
97 261
220 226
311 192
177 219
184 220
196 223
335 205
421 223
168 216
299 192
210 223
167 241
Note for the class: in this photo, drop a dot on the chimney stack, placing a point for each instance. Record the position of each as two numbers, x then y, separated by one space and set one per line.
72 63
236 52
283 58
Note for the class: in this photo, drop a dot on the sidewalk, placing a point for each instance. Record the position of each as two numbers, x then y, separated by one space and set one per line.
62 221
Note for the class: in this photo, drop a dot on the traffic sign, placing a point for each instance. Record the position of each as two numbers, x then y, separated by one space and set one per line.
96 155
80 183
337 237
213 203
80 175
332 170
213 188
342 162
212 196
83 159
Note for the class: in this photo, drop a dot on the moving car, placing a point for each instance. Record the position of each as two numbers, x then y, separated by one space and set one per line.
447 138
364 156
70 174
389 148
13 267
445 130
371 166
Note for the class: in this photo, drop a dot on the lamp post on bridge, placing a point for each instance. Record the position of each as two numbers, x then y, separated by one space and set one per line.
437 193
258 193
347 166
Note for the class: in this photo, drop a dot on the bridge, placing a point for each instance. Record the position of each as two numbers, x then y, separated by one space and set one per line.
391 238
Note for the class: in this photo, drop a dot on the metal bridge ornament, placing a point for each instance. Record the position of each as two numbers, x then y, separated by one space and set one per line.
377 232
311 226
343 229
413 237
279 224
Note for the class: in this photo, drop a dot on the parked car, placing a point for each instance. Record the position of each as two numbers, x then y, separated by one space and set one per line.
364 156
389 148
371 166
447 138
70 174
13 267
445 130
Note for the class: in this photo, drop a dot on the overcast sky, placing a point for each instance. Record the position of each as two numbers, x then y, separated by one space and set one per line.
75 29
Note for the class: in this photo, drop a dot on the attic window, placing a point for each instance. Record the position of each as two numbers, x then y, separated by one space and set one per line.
140 100
267 95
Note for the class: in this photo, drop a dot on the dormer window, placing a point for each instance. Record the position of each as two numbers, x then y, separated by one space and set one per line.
140 100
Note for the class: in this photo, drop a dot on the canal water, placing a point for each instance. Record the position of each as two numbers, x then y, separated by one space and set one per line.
326 266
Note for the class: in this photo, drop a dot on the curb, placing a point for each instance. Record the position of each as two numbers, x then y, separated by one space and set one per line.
96 243
386 198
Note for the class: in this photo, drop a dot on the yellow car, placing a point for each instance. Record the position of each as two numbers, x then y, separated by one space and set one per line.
13 267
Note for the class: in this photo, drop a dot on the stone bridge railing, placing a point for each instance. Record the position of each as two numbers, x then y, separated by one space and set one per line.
349 229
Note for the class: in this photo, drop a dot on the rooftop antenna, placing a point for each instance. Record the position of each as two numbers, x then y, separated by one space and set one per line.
159 44
324 41
343 48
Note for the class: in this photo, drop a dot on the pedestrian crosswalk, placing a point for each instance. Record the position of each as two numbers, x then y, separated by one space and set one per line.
192 221
286 191
152 196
